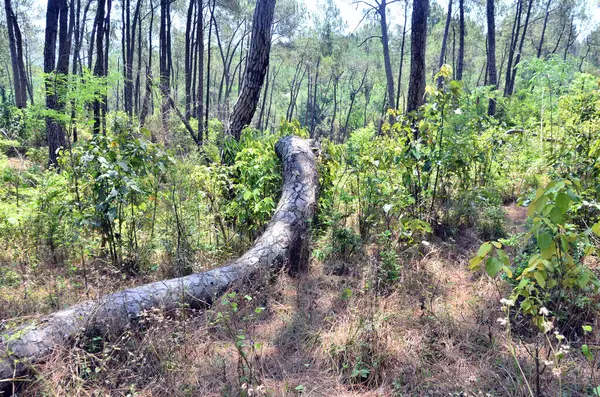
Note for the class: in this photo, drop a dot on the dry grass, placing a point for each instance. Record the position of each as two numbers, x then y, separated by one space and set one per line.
434 334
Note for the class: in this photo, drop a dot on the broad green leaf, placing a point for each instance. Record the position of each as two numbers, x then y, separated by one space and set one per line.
583 279
493 266
562 202
503 257
474 263
587 328
484 249
539 277
596 229
544 241
549 252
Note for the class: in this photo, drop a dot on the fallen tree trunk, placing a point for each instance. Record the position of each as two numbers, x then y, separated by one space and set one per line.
282 244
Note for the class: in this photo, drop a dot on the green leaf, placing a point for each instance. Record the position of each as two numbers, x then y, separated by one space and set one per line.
562 202
544 241
484 249
549 252
583 279
503 257
587 328
493 266
596 229
585 349
539 277
474 263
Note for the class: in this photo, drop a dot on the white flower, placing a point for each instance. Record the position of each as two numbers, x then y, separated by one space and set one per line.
548 363
544 311
458 111
387 208
556 371
507 302
547 325
502 321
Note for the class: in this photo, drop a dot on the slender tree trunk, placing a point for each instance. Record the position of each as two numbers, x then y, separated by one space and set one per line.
212 11
540 46
56 25
164 65
402 54
461 40
188 58
99 66
569 42
146 104
389 74
314 101
418 38
491 52
442 59
518 57
512 49
15 45
200 55
258 62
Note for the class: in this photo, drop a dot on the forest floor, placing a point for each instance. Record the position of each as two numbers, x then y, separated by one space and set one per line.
326 333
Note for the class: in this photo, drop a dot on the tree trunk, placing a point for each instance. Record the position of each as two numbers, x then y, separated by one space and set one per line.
189 62
258 62
56 15
402 54
418 39
461 40
491 52
206 111
520 51
442 59
99 66
200 55
283 244
15 44
386 54
540 46
164 65
569 42
512 49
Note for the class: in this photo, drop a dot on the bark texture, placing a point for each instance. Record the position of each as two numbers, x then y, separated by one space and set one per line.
258 63
418 39
282 244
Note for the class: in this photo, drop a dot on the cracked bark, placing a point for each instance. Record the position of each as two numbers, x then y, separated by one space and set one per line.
283 244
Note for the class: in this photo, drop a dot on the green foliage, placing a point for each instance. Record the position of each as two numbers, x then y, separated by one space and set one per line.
556 272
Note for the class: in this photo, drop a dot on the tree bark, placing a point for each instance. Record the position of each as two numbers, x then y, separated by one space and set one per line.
512 49
491 52
200 55
56 15
258 62
283 244
520 51
386 54
402 54
418 39
99 70
15 44
540 46
164 64
442 59
461 40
